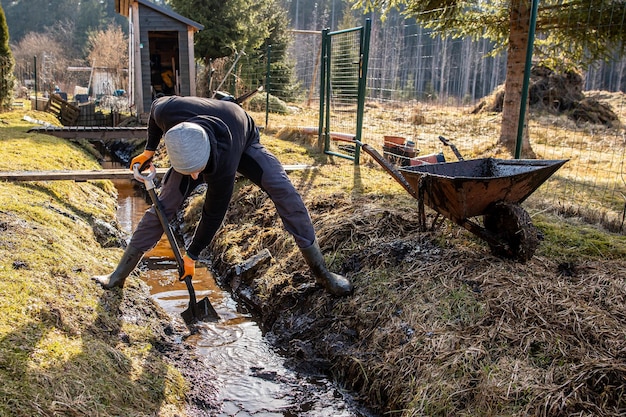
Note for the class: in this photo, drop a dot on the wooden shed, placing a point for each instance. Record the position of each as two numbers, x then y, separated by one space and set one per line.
161 56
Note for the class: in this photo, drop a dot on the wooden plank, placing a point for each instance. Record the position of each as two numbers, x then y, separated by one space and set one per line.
93 132
100 174
80 175
66 112
122 6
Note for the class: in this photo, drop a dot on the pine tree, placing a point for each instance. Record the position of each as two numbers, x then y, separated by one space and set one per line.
233 26
229 26
6 65
282 83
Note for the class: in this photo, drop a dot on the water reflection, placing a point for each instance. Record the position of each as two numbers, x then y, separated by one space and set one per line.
251 377
131 205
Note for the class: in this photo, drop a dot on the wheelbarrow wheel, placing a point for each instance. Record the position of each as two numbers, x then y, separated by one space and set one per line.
511 225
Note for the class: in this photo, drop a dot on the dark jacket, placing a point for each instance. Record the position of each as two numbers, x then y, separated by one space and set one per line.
230 129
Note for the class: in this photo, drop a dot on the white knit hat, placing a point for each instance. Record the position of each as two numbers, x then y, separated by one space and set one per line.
188 147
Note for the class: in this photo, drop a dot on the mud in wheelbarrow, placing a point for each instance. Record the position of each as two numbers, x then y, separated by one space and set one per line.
487 187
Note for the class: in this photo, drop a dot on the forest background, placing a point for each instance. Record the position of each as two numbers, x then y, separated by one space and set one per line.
61 34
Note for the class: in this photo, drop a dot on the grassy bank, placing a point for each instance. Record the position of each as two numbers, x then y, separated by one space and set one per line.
66 346
437 325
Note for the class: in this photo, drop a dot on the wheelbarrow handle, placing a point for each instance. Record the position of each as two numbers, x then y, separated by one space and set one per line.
456 152
388 167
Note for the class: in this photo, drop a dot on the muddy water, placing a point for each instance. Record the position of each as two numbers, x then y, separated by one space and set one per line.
251 377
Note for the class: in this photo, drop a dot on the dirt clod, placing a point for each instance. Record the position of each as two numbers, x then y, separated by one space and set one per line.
557 93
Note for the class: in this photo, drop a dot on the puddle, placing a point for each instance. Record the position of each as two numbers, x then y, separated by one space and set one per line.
252 379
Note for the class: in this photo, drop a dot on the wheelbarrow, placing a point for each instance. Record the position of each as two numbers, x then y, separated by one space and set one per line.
488 187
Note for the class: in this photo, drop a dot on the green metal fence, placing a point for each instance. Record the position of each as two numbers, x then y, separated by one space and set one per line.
421 85
342 90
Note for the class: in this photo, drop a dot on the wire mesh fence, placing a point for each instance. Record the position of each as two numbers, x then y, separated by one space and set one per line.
422 85
342 62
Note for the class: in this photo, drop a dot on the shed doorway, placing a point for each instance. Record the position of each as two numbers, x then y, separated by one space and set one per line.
164 63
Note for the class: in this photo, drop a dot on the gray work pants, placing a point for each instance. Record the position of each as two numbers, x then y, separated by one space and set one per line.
256 164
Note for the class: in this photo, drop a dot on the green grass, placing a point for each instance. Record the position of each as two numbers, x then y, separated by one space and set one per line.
570 239
60 352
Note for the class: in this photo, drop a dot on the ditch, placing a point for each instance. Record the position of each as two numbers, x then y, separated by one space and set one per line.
252 378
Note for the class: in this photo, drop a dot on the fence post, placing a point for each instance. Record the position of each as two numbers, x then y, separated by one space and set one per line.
36 82
363 61
323 76
525 84
267 86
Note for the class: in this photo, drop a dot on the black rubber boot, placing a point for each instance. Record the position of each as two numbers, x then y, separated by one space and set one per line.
335 284
127 264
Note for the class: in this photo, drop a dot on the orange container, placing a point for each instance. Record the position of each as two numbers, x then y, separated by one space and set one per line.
428 159
394 140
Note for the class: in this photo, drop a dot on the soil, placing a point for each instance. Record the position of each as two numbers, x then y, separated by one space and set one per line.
298 316
426 312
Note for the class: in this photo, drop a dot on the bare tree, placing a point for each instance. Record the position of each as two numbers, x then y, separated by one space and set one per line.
49 56
108 49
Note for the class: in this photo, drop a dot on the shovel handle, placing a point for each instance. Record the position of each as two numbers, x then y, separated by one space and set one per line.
192 291
158 208
148 179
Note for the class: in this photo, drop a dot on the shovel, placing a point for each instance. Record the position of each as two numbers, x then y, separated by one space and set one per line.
197 311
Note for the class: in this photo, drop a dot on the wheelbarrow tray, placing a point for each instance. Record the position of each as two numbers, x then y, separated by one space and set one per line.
464 189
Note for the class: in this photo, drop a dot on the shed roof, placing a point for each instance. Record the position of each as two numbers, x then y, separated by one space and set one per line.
122 7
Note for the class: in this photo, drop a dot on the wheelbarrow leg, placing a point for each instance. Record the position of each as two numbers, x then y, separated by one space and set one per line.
437 221
420 206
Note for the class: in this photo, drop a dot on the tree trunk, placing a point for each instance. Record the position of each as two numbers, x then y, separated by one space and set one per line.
516 59
443 78
467 56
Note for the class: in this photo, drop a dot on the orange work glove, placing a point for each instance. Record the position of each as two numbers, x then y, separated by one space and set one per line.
143 160
189 266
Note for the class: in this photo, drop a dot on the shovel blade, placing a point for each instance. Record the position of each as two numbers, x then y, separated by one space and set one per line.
203 311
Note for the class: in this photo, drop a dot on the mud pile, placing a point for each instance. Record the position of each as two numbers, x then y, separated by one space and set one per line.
557 93
437 325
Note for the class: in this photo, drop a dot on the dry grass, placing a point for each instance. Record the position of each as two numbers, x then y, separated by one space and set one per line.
437 325
67 347
591 185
